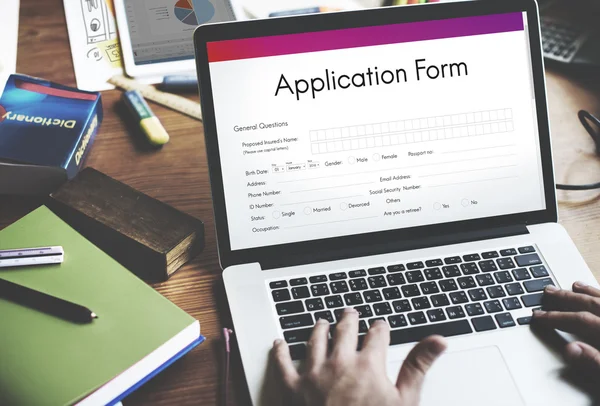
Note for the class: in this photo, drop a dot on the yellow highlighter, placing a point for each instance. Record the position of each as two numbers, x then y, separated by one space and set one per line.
148 122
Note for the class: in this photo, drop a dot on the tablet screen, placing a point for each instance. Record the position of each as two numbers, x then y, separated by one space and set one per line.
162 30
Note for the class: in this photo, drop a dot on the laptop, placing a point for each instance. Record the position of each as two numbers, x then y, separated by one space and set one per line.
398 161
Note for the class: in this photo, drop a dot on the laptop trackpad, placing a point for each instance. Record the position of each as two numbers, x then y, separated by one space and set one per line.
469 378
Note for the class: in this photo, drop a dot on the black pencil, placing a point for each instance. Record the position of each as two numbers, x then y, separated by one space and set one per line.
45 303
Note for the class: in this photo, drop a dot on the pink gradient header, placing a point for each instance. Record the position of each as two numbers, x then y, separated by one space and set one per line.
361 37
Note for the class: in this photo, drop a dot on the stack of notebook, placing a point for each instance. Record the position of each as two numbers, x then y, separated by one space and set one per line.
46 360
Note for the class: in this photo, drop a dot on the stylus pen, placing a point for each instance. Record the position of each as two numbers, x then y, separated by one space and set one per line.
45 303
179 83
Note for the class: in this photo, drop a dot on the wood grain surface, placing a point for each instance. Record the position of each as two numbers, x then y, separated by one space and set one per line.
177 174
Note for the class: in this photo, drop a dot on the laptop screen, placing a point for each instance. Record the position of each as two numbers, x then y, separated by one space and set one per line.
344 132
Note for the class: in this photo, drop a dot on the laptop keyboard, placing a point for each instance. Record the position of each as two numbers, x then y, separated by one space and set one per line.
561 40
461 294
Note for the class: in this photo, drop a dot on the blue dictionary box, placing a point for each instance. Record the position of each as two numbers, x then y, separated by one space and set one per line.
46 132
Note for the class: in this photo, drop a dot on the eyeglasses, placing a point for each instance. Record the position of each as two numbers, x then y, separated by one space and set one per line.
592 125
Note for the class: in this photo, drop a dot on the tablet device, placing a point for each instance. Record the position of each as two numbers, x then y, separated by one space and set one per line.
157 35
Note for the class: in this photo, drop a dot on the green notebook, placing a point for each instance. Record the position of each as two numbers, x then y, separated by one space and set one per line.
45 360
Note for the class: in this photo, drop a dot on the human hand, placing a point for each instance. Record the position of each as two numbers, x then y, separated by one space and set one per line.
348 377
576 312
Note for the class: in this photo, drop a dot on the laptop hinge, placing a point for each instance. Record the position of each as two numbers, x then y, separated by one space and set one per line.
394 246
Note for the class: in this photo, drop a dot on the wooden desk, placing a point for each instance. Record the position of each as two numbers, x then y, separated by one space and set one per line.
177 175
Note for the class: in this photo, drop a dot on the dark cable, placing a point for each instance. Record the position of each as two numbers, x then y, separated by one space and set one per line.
587 119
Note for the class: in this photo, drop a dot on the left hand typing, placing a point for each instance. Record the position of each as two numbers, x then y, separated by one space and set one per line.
347 377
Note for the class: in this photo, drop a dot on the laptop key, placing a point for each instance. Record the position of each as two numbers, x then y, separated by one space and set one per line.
477 294
290 308
278 284
410 290
434 262
433 274
396 279
505 263
521 274
377 271
436 315
420 303
300 320
484 323
318 279
357 273
300 292
414 276
485 279
358 284
493 306
377 281
490 255
312 304
487 266
415 265
511 303
417 318
364 311
466 282
401 306
372 296
539 271
524 320
528 259
414 334
505 320
336 276
451 271
455 312
514 289
381 309
452 260
334 301
338 313
458 297
474 309
352 299
298 281
526 250
338 287
320 289
297 336
324 315
396 268
495 291
298 352
440 300
537 285
281 295
471 257
448 285
429 287
508 252
397 320
469 268
391 293
362 327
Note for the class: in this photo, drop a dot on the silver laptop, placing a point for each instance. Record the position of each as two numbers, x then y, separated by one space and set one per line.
398 161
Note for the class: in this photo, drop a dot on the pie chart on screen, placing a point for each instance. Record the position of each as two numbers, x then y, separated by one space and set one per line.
194 12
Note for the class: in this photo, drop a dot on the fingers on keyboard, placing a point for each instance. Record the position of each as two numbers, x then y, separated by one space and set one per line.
459 294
